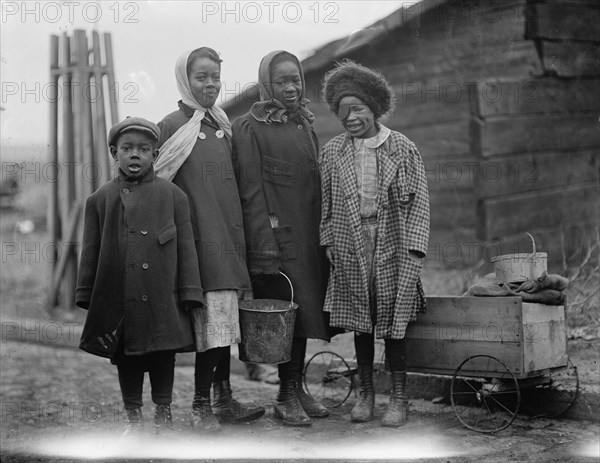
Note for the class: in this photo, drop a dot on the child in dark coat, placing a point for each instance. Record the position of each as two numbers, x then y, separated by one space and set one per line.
139 272
281 204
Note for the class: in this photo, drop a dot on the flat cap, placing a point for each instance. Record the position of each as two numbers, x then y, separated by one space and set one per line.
133 123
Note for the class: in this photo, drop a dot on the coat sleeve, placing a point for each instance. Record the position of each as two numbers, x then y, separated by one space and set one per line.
263 253
90 253
417 224
188 270
325 229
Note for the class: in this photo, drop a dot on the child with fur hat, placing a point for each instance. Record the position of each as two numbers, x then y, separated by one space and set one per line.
375 228
281 204
138 275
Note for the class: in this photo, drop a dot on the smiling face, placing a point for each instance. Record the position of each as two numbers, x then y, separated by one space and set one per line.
204 76
356 117
135 152
286 83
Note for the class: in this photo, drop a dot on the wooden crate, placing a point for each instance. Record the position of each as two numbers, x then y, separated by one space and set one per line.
530 339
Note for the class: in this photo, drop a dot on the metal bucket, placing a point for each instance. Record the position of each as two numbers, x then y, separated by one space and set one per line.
516 268
267 328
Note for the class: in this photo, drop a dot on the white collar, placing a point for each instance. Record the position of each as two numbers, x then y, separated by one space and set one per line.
377 140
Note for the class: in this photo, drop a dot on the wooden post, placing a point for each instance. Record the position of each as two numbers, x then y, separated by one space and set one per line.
112 86
101 152
85 114
67 256
53 203
76 84
69 184
82 150
68 150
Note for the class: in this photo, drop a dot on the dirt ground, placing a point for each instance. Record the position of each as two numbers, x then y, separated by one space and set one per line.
61 404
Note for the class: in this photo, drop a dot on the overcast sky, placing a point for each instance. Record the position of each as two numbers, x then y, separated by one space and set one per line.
147 38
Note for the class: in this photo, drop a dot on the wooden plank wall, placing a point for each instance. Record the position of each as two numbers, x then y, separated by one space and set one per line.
430 62
480 90
539 138
567 36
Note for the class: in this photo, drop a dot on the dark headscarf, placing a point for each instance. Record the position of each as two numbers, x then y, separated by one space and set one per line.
269 109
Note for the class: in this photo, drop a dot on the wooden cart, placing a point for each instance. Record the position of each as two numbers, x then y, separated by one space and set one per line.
493 347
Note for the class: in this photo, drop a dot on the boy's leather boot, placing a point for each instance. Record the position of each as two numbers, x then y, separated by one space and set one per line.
363 410
163 419
229 410
397 411
313 408
203 418
135 422
288 406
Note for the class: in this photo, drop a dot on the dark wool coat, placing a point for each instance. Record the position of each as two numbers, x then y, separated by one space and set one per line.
207 178
277 172
402 224
138 268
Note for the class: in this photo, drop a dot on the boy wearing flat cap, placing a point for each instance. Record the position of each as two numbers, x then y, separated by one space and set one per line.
375 229
139 272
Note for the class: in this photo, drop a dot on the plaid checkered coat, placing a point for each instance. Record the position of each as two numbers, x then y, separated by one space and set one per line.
403 226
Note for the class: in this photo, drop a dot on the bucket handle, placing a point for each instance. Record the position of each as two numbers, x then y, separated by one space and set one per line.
534 252
291 287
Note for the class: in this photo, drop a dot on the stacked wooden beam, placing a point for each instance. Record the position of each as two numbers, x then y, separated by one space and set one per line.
79 156
503 100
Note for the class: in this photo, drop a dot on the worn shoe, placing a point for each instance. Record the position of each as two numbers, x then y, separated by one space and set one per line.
312 407
397 410
163 421
229 410
135 423
288 407
363 410
202 417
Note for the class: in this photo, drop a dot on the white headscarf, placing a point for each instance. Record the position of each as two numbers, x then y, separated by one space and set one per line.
176 149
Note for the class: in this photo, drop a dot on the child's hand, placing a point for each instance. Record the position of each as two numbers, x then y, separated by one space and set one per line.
416 256
191 305
329 254
266 270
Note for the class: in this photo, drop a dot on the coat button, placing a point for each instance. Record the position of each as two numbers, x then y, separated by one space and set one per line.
144 298
126 190
300 126
144 232
145 266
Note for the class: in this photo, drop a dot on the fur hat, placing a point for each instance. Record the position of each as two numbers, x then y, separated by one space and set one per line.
352 79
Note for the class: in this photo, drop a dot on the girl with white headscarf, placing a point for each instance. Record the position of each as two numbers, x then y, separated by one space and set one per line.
195 154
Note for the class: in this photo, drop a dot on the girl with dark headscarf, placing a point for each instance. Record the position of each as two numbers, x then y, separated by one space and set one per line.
275 159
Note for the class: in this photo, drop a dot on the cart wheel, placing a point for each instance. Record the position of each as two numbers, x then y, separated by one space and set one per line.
555 396
328 378
484 394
